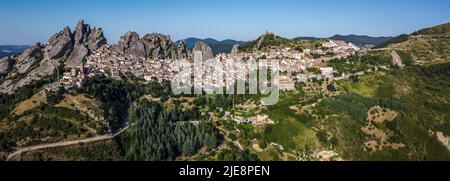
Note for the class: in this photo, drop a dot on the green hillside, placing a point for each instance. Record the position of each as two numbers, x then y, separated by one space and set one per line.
429 45
269 41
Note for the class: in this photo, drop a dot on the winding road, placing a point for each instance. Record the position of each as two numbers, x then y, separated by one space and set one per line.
65 143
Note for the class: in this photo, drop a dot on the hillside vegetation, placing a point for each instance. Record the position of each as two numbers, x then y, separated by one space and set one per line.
429 45
269 41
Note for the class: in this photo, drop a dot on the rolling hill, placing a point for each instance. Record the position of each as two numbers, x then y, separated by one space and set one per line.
361 40
424 46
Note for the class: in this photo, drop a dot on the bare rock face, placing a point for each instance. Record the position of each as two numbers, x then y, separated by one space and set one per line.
130 43
85 41
6 87
39 62
235 50
137 48
25 62
96 39
182 51
156 45
44 69
126 40
92 37
205 49
151 45
5 65
396 59
76 57
59 45
28 58
82 32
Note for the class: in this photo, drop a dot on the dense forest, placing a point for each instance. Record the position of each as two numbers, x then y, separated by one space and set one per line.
161 135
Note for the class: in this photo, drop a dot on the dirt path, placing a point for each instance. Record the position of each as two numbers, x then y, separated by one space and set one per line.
65 143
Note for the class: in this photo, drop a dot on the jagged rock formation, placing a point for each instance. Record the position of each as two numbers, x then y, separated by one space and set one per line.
130 43
29 57
79 52
27 61
205 49
182 51
151 45
59 45
5 65
40 61
91 37
159 46
86 40
235 49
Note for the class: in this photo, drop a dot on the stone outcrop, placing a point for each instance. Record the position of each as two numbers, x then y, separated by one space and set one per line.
5 65
151 45
235 49
205 49
396 59
130 43
126 41
82 32
29 57
182 51
59 45
158 46
44 69
78 54
86 40
38 61
96 39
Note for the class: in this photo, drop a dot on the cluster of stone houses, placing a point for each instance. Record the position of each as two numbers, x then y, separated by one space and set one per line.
257 120
326 73
339 46
109 62
285 83
73 78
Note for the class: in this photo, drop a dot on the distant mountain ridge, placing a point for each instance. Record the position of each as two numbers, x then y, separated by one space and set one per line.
7 50
360 40
217 47
397 39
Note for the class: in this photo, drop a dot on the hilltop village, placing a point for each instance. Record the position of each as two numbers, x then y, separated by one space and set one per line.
293 65
80 97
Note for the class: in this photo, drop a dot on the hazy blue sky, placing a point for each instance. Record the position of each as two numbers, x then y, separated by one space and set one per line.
27 22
